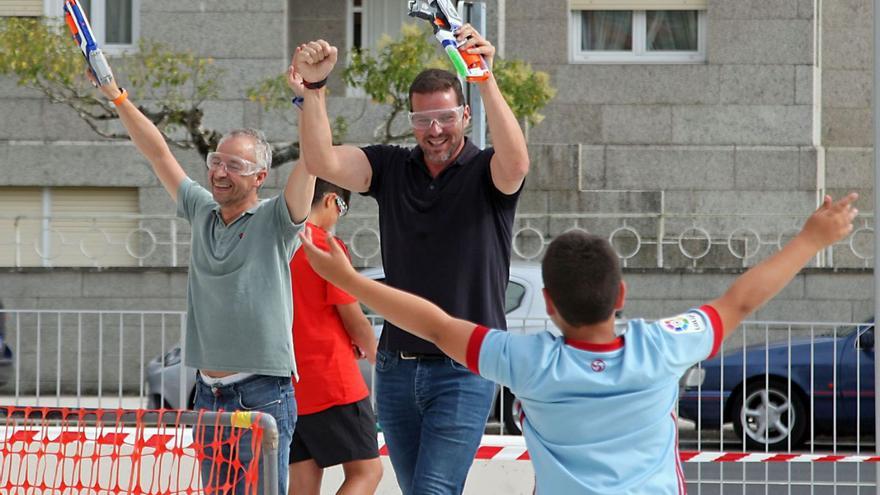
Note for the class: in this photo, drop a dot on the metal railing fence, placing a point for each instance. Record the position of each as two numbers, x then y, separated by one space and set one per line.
642 240
790 388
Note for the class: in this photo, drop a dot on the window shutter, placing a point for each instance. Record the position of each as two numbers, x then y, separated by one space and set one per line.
101 238
21 8
96 220
638 4
20 202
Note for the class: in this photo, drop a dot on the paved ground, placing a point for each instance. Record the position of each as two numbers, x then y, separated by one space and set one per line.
517 477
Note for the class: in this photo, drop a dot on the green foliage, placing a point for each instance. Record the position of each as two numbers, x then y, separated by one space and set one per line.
271 93
525 90
386 77
37 53
40 54
179 80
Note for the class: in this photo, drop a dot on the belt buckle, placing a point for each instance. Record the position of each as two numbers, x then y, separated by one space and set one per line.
409 356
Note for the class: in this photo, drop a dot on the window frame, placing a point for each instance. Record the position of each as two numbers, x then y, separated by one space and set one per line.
98 22
639 53
350 10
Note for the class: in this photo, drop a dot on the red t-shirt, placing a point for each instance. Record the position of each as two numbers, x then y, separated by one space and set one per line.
326 363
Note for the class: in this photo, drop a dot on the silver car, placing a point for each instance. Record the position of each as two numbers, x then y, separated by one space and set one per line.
523 305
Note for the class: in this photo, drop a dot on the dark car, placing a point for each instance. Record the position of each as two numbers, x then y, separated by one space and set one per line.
7 362
773 393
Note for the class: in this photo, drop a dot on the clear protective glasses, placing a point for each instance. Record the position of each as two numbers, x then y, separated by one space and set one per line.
445 117
233 164
341 206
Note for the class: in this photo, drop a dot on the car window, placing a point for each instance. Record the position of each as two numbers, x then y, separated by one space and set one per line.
513 297
374 318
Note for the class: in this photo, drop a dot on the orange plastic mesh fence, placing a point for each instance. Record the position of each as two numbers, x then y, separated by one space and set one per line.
93 451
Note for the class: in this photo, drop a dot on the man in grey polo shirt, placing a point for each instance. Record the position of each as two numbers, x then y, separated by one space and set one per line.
239 305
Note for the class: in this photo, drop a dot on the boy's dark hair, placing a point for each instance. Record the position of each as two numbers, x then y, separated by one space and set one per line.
323 187
582 276
433 81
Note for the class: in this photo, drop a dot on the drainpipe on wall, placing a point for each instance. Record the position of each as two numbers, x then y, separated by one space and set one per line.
876 121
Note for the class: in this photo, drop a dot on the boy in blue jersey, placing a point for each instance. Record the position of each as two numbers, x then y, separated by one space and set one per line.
599 407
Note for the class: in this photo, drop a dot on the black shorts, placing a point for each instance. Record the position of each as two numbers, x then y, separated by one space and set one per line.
336 435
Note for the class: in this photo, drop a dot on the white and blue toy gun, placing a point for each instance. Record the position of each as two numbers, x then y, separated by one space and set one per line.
76 20
446 21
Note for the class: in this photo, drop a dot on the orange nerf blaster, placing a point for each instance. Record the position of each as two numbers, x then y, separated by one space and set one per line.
445 21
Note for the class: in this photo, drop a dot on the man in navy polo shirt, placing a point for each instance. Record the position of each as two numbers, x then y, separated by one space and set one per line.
446 212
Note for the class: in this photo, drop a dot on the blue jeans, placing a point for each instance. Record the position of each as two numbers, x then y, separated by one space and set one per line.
433 413
259 393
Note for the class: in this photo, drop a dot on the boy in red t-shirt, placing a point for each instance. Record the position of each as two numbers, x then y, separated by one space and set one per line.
335 424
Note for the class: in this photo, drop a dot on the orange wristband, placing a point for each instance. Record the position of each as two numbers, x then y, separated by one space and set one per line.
122 97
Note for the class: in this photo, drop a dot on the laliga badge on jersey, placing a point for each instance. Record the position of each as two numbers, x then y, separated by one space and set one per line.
686 323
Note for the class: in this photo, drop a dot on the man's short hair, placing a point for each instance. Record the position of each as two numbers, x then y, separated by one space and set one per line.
435 81
262 148
582 276
323 187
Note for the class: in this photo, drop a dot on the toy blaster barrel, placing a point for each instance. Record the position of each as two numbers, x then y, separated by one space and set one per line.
76 21
445 21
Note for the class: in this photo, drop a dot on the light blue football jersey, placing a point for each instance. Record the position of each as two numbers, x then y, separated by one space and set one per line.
600 419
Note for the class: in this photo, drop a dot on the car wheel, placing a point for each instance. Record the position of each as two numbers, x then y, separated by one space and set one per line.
511 412
768 418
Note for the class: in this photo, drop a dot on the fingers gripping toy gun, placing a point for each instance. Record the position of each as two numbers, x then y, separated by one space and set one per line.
82 34
446 21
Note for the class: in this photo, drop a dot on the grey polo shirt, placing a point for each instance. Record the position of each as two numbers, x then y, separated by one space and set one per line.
239 304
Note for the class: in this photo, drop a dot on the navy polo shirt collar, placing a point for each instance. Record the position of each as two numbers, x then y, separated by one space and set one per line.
468 152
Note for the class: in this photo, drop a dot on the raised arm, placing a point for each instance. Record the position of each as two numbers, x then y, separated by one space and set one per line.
359 329
345 166
148 140
405 310
510 164
300 185
830 223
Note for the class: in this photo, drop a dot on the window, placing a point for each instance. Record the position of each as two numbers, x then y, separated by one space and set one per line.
604 33
356 24
513 297
115 23
370 20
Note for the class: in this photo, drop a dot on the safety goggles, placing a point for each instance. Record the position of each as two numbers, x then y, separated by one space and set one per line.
445 118
232 163
341 206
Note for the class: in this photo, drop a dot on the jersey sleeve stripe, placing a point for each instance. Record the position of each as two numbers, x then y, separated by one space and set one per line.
717 328
473 348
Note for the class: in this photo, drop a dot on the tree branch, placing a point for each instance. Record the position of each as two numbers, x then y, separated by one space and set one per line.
284 154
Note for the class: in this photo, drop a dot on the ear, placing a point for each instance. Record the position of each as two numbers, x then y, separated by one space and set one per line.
467 113
621 296
261 177
548 303
329 201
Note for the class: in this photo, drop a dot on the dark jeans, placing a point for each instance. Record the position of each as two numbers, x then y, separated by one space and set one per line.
433 413
259 393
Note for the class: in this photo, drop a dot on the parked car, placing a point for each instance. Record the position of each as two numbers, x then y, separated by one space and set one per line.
774 414
7 362
524 307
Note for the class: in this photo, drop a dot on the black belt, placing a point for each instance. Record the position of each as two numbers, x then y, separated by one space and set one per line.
418 355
